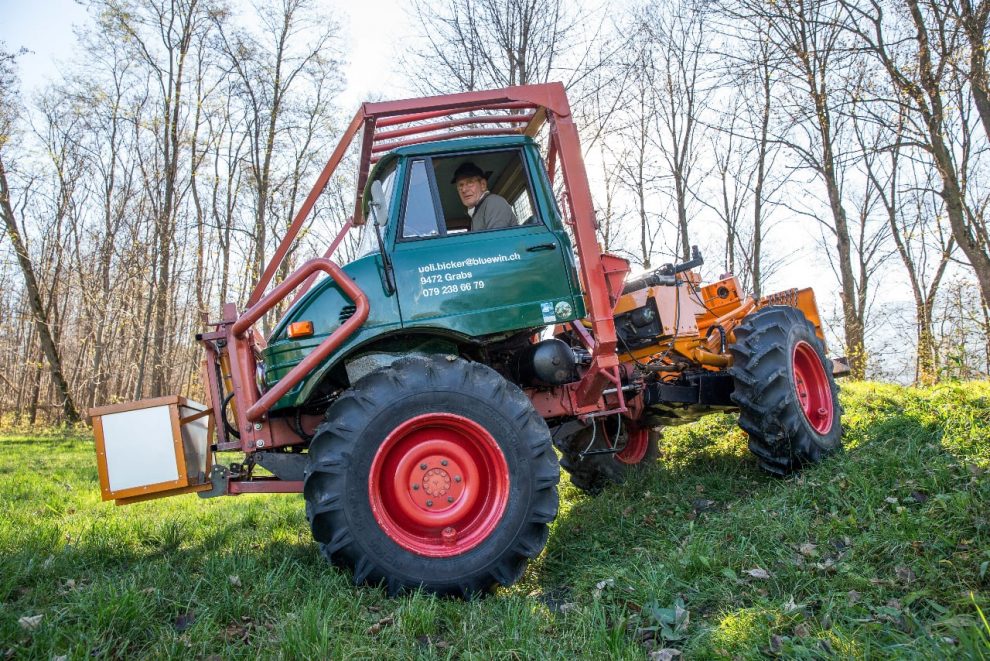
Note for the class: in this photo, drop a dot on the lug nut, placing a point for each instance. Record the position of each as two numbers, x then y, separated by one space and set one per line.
450 499
422 467
443 462
415 487
457 478
429 503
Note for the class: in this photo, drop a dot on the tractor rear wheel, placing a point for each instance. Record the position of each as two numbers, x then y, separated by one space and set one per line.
589 453
433 473
787 397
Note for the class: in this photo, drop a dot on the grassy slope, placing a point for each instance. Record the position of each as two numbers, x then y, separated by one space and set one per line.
882 552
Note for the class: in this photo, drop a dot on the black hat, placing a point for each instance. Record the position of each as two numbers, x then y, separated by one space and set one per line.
469 169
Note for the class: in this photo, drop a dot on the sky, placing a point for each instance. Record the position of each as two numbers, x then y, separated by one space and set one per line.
375 31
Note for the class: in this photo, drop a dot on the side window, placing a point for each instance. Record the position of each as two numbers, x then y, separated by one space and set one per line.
484 191
420 218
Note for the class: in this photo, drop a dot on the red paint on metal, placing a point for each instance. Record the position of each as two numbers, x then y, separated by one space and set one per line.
465 133
451 123
257 407
433 114
814 392
438 485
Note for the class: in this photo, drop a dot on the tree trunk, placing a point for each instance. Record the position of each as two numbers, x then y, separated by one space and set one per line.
45 334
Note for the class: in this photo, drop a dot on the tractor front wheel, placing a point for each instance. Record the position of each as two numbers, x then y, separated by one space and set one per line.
434 473
787 397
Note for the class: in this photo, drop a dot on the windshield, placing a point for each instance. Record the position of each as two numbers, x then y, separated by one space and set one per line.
367 241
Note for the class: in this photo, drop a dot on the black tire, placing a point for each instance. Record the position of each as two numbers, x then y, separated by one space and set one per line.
344 458
591 469
775 347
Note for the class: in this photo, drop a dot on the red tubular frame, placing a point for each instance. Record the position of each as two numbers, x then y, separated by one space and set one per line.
548 103
251 407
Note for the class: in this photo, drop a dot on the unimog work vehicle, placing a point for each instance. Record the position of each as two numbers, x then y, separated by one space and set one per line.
419 395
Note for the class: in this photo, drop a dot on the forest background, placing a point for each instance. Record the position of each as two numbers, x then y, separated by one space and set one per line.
841 144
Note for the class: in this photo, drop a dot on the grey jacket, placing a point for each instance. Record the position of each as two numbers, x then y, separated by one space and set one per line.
493 212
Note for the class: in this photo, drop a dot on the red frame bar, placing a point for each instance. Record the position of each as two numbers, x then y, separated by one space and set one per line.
451 123
250 407
377 149
433 114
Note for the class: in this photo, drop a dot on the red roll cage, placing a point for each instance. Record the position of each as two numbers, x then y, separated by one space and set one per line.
384 126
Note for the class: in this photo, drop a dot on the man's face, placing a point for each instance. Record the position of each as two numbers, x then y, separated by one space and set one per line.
471 189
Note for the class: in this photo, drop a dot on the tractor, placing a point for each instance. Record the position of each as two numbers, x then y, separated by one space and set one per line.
423 396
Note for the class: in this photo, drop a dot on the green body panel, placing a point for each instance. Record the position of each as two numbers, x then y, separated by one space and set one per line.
322 305
461 286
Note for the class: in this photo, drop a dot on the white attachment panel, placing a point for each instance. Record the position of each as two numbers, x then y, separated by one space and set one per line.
140 448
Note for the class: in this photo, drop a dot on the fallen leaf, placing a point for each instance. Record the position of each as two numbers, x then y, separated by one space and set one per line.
235 581
377 627
919 496
666 654
757 573
568 607
791 607
600 587
627 511
852 597
776 643
807 549
891 500
30 622
801 631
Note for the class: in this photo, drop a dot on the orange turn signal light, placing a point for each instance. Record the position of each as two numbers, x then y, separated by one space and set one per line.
300 329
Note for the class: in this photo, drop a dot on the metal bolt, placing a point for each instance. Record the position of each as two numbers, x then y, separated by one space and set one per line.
259 443
429 503
822 411
415 487
457 478
443 462
422 467
257 426
450 499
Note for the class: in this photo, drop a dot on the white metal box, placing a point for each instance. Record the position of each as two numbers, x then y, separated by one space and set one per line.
152 448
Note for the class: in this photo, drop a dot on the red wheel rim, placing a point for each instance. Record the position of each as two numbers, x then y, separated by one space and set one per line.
814 392
637 442
438 485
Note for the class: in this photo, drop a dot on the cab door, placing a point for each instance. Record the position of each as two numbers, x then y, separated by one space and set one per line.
475 283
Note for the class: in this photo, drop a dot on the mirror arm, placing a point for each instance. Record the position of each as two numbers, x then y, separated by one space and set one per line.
386 260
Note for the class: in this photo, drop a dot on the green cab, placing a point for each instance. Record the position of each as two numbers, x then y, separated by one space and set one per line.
433 284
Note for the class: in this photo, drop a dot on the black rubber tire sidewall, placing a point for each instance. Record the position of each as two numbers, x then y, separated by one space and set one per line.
415 386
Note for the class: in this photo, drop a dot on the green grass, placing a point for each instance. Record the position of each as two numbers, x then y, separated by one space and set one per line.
882 552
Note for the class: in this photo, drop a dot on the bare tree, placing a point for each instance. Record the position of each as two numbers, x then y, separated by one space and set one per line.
40 311
479 44
917 47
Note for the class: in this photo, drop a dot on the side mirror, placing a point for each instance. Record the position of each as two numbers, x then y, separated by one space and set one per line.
377 205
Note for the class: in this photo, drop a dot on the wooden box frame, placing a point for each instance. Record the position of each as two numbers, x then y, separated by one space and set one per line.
185 483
